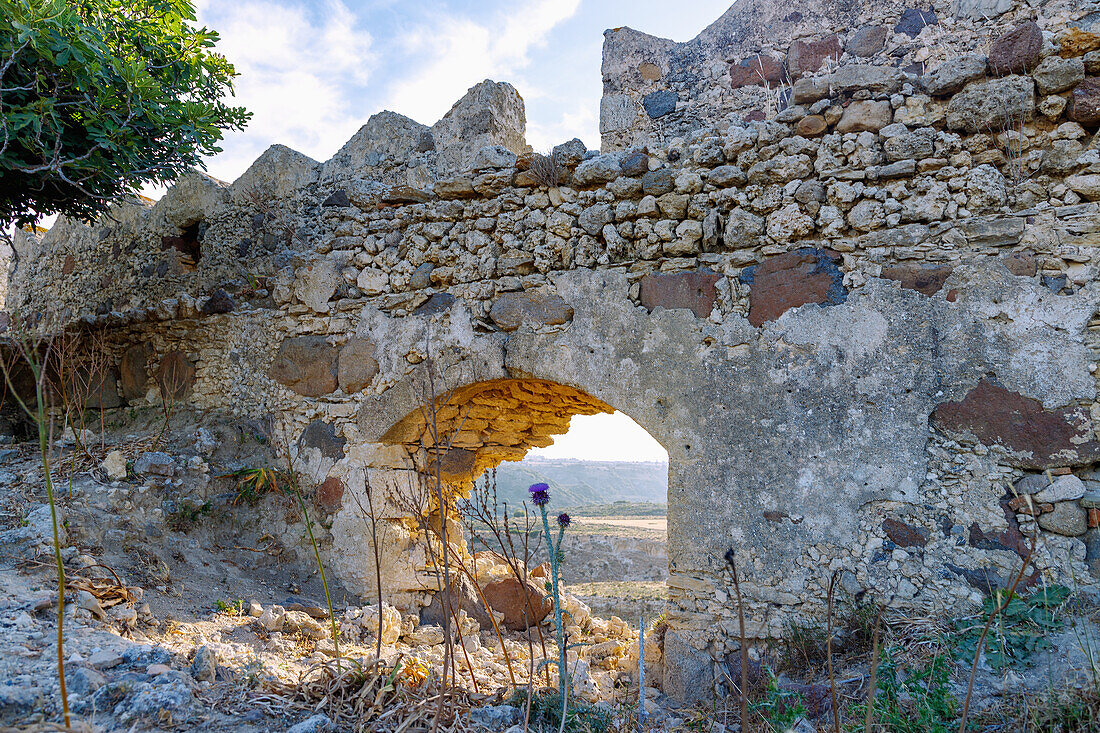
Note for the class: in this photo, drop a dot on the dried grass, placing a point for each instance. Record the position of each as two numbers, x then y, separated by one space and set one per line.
383 695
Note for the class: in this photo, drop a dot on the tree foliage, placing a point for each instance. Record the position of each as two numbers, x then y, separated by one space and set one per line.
100 96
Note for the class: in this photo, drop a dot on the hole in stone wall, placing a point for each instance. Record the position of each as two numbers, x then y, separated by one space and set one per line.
188 243
605 470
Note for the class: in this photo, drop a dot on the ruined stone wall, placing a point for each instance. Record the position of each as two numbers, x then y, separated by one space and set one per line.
747 64
857 327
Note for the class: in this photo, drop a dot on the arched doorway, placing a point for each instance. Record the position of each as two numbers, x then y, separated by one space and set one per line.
482 432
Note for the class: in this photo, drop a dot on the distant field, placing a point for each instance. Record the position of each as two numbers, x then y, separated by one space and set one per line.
621 509
576 484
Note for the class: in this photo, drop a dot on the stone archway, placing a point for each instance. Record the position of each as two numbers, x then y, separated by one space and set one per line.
480 425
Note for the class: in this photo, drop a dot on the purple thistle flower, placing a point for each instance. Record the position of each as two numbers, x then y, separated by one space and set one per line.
540 494
564 520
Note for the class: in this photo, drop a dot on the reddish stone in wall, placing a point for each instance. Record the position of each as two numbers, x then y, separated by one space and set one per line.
757 70
904 535
330 494
1017 51
925 279
1021 263
1084 102
793 279
692 290
1035 437
805 57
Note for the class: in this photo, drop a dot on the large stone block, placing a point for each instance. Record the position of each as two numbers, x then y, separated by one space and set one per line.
523 605
133 374
694 291
175 375
1017 51
1035 437
1084 102
791 280
307 365
992 106
532 307
357 366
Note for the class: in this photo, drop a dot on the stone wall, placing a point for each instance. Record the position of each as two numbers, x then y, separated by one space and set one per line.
745 65
862 328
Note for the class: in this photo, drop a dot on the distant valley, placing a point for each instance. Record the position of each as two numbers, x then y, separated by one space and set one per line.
576 484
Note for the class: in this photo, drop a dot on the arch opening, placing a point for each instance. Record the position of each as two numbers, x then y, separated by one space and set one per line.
496 438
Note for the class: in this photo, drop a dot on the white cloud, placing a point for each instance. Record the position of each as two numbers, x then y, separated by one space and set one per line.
613 437
463 52
295 74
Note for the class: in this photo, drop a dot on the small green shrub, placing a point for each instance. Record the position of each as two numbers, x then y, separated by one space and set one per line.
254 483
780 708
229 608
913 698
546 712
1018 631
187 514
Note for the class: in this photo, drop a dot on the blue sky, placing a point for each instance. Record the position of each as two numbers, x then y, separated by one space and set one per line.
313 71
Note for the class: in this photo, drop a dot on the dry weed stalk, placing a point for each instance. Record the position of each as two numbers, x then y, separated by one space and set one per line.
546 169
995 613
483 507
171 383
383 696
873 676
370 514
829 650
732 561
284 445
35 351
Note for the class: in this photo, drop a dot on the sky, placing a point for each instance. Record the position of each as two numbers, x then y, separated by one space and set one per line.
612 437
313 71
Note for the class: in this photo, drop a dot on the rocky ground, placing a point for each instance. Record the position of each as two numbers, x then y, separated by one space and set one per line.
185 614
187 609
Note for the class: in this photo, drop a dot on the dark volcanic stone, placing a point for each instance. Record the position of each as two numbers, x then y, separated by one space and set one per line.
1017 51
437 303
218 302
793 279
322 436
1035 437
634 163
307 365
756 71
692 290
925 279
913 21
659 104
658 182
1084 102
337 198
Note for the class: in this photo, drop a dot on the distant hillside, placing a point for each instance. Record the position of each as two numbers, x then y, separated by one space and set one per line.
576 483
